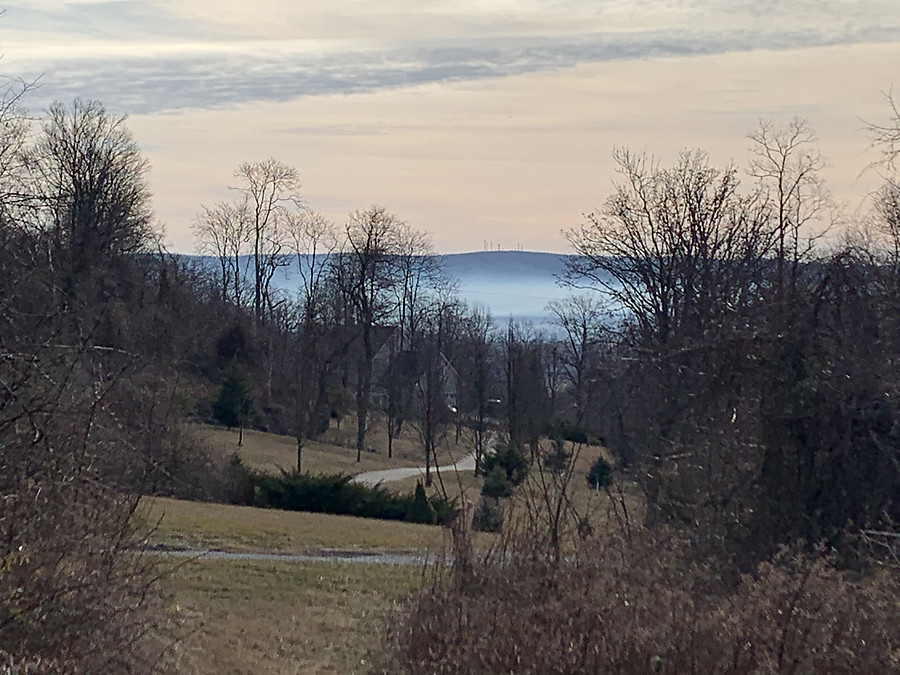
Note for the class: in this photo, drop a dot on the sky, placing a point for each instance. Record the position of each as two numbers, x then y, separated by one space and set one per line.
487 123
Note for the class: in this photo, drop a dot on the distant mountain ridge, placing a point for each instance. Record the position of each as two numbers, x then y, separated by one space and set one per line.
505 263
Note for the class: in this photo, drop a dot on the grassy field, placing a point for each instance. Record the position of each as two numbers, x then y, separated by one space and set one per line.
281 617
242 528
316 617
285 617
263 617
333 453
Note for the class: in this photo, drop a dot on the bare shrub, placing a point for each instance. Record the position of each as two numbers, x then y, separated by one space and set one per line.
75 596
550 597
164 457
639 606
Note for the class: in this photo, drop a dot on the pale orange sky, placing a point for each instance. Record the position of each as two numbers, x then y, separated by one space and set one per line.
476 121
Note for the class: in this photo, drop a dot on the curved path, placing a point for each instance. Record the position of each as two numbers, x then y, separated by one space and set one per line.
467 463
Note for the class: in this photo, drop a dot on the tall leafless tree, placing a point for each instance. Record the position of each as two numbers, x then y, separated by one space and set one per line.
253 232
674 247
93 182
313 239
364 269
269 189
435 386
75 596
223 232
581 318
685 255
477 376
526 401
788 167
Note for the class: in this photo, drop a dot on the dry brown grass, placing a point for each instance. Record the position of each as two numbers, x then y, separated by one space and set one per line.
469 485
599 507
281 617
334 453
263 617
244 528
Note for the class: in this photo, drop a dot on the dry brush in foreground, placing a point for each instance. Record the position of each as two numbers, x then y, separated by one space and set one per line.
643 603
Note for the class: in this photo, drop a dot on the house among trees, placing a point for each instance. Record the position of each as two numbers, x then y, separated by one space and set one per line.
407 377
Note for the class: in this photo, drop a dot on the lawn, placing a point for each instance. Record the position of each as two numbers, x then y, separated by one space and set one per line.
335 452
272 453
264 617
281 617
203 525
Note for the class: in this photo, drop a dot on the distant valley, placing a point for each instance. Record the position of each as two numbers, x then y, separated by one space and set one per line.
510 284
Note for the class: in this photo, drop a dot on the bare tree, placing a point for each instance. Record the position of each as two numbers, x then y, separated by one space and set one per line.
477 376
887 212
254 231
673 247
581 318
418 274
419 279
17 191
684 253
313 239
223 232
365 274
75 595
788 167
886 137
526 391
93 181
269 189
435 386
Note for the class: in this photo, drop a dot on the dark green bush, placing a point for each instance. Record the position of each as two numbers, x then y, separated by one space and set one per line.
420 509
234 404
511 461
569 431
336 494
496 485
327 494
600 475
488 517
446 510
237 482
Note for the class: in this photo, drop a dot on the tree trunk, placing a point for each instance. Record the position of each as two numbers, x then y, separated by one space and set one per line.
364 381
361 414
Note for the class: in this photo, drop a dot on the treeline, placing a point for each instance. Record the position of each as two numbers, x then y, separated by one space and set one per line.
375 332
754 389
